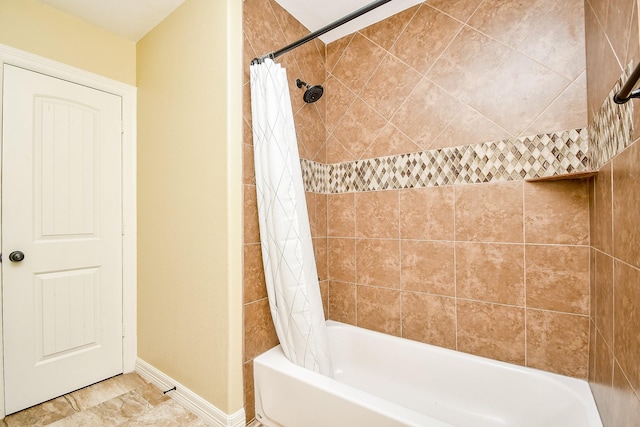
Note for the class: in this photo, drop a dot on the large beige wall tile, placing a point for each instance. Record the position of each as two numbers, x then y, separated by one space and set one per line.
378 262
509 22
342 302
602 232
359 127
253 274
618 26
378 309
340 97
310 130
426 113
377 215
320 250
341 260
459 9
557 278
341 215
251 225
516 79
558 342
557 212
429 318
558 41
391 141
428 267
422 52
490 213
625 403
351 69
490 272
321 207
627 320
468 63
601 384
626 205
603 296
260 334
491 330
386 32
427 213
249 391
390 85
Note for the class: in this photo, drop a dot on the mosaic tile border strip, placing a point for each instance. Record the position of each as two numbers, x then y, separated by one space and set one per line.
611 130
528 157
314 176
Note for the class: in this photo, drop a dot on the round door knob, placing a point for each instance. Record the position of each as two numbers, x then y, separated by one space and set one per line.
16 256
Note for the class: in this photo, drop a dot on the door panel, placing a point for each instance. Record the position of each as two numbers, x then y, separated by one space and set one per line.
67 312
62 207
65 166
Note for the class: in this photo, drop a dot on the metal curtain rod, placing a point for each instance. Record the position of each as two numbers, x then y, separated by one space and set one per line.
627 92
321 31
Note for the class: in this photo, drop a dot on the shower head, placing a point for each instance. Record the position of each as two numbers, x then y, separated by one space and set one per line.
312 94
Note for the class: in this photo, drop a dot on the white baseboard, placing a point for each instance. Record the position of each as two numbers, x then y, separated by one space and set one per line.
196 404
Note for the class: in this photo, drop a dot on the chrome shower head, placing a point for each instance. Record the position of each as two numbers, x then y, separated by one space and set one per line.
312 94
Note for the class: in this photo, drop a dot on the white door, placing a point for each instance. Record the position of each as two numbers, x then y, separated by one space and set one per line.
62 209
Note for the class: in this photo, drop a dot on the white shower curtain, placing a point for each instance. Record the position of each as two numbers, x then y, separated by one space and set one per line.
287 251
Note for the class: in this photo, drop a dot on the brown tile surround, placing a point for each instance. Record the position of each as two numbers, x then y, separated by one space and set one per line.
470 288
612 41
266 27
495 269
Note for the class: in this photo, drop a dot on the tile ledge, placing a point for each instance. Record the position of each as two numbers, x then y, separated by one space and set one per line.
572 175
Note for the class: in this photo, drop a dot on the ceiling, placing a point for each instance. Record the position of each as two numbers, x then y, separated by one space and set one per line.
132 19
315 15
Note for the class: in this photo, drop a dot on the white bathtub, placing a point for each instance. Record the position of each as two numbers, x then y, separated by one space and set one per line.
385 381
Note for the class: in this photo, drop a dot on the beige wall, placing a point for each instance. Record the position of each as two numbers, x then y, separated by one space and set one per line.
189 175
189 207
614 369
37 28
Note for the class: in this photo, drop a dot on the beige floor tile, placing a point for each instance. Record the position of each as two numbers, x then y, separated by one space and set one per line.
41 415
124 400
103 391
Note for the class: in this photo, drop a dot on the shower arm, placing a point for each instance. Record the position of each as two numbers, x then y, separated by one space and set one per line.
321 31
627 92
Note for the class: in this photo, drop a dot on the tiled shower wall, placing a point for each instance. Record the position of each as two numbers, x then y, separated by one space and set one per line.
450 73
499 270
496 269
612 42
268 27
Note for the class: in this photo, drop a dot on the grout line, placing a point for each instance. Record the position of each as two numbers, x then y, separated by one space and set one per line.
400 265
524 273
455 260
635 392
613 310
355 255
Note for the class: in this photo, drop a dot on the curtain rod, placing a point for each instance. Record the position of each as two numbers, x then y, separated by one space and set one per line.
321 31
627 92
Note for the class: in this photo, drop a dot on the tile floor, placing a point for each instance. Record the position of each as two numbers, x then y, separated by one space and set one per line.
124 400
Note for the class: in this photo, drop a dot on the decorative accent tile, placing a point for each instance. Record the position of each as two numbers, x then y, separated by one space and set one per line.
508 160
314 176
611 130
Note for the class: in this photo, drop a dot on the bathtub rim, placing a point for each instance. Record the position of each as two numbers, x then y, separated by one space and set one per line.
578 388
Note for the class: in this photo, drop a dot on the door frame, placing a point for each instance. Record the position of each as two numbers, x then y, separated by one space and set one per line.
29 61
